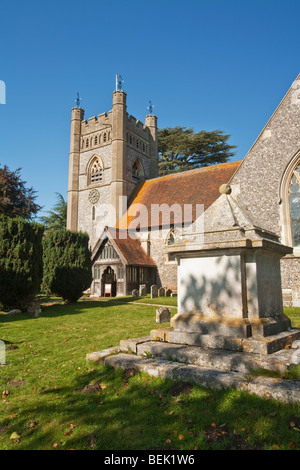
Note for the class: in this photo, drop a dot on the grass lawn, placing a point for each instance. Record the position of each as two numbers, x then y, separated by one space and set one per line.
43 406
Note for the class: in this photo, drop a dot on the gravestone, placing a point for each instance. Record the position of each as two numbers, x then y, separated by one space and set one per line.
2 352
168 293
163 315
135 294
143 290
161 292
34 307
154 291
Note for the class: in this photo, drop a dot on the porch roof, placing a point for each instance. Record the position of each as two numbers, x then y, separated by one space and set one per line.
127 245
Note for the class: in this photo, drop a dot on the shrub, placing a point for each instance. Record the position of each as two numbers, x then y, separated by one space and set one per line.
20 261
67 264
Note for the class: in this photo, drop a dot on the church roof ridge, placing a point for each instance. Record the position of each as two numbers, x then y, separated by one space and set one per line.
193 170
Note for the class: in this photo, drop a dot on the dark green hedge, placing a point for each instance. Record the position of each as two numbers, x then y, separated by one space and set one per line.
67 264
21 266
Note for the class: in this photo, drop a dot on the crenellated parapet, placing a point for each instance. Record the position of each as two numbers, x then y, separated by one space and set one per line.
116 146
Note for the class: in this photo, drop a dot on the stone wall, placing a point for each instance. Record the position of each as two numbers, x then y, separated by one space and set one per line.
85 220
166 270
258 184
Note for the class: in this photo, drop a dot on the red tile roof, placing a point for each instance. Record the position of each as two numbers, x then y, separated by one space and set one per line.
127 245
193 187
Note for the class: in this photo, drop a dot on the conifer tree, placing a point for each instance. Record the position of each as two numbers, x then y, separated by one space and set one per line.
20 261
67 264
57 217
181 149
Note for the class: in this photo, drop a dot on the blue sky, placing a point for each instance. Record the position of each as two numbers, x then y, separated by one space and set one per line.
217 64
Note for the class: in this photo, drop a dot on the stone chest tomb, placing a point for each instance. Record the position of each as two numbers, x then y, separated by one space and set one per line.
229 283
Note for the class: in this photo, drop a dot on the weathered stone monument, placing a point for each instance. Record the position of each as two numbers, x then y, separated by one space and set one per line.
154 291
161 292
135 294
143 290
229 284
163 315
230 317
2 352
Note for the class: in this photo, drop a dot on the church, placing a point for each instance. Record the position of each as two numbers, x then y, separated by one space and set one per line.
132 215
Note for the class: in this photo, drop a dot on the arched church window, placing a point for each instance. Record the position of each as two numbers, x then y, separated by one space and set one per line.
96 171
171 239
137 171
104 137
96 139
294 206
87 143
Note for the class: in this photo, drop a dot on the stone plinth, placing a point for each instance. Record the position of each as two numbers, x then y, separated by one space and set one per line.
229 284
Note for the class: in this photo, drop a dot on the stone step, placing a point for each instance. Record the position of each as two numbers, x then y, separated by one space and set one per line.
281 390
259 345
215 358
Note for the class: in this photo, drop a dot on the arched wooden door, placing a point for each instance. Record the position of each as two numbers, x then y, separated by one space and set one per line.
108 282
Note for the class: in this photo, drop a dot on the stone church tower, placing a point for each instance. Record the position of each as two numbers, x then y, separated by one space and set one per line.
109 156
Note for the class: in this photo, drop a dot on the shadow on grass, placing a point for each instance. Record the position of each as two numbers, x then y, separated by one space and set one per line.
58 309
140 413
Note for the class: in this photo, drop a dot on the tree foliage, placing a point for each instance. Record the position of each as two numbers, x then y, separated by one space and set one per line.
16 200
181 149
20 261
57 217
67 264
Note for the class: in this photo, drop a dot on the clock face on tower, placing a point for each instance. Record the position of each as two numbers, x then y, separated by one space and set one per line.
94 196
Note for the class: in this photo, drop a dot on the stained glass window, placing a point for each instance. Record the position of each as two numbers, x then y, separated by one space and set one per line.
294 200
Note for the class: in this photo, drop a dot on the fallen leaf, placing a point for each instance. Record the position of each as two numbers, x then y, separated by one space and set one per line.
15 435
33 424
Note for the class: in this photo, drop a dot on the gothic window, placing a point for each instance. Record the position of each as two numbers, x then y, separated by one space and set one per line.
137 171
96 273
104 137
120 272
87 143
93 213
294 207
108 252
171 239
96 171
96 140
